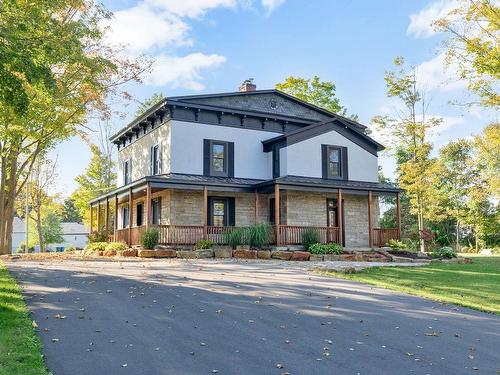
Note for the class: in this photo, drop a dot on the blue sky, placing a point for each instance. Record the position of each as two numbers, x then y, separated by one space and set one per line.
203 46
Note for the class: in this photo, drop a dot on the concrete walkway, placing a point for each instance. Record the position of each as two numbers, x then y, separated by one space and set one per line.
227 317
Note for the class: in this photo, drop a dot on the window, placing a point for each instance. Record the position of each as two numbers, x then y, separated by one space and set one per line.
271 211
218 158
139 220
334 160
125 213
156 211
127 167
221 211
155 160
331 217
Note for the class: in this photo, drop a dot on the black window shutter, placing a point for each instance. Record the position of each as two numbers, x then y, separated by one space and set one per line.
230 159
324 161
209 211
276 161
345 167
206 157
231 212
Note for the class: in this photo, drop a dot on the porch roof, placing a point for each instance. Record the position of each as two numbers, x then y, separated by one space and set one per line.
236 184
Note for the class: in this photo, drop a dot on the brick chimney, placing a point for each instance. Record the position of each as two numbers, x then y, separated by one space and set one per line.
248 85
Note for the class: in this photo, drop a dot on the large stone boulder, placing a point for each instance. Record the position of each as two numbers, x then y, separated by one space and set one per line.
186 254
109 253
263 254
300 255
204 253
165 253
223 252
316 257
243 247
146 253
283 255
245 254
128 253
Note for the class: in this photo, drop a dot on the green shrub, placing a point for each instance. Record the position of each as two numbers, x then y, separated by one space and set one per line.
69 249
310 236
259 235
99 246
116 246
325 248
397 245
98 236
444 252
235 237
469 250
204 244
495 250
150 238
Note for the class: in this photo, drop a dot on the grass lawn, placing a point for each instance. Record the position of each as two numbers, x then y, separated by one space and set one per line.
20 347
475 285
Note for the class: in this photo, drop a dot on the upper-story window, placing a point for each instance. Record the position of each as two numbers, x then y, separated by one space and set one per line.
155 160
218 158
334 159
127 169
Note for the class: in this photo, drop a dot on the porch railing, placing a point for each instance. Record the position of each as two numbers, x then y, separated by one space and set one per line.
382 236
180 234
292 234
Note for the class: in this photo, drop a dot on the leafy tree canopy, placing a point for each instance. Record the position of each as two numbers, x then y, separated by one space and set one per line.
148 103
70 214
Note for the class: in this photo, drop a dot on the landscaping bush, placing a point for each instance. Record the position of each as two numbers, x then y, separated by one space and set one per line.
69 249
259 235
116 246
397 245
235 237
444 252
310 236
469 250
325 248
204 244
150 238
99 246
97 236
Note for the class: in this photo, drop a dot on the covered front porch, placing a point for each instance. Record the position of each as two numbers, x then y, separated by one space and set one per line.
186 210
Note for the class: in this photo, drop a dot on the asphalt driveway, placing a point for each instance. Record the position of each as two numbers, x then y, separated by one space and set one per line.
205 317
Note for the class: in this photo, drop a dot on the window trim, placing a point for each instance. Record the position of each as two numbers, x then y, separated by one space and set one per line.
343 167
213 172
127 171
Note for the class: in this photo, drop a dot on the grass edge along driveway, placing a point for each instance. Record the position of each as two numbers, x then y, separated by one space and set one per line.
476 285
20 347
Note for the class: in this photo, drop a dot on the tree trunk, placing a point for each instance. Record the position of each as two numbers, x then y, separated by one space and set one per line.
457 236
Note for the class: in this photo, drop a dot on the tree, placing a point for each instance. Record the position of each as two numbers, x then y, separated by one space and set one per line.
70 214
65 37
97 180
320 93
408 131
148 103
488 154
473 27
52 229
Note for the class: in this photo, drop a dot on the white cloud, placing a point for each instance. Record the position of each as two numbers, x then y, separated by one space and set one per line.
421 23
436 75
190 8
184 72
141 28
271 5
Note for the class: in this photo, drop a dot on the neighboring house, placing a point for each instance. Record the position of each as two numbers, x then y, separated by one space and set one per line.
74 234
196 166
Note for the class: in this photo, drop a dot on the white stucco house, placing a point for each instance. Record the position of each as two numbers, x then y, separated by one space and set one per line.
197 166
74 234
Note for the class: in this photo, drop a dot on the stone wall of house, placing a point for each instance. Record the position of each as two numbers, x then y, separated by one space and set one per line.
356 220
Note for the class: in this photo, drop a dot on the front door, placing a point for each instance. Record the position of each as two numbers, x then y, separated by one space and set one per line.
332 217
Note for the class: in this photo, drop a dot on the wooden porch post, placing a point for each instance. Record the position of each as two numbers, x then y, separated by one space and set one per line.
91 227
130 197
398 214
256 207
148 205
339 216
99 224
370 234
277 213
106 219
205 211
115 236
